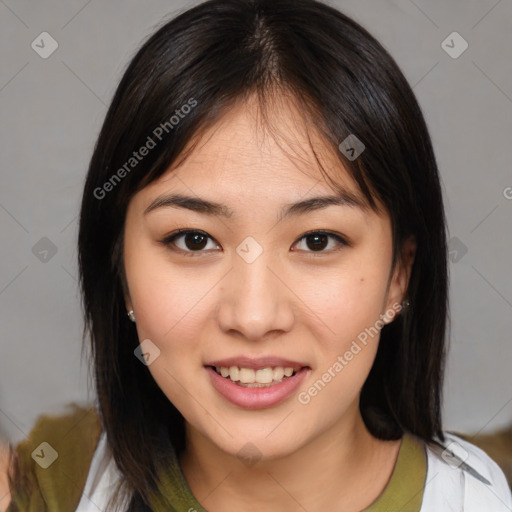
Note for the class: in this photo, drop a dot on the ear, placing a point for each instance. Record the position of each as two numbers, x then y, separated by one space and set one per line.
128 303
126 291
399 282
118 264
127 298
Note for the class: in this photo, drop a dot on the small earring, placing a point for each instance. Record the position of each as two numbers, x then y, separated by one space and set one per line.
406 304
131 315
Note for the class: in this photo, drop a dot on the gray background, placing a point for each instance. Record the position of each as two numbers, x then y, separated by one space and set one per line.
52 110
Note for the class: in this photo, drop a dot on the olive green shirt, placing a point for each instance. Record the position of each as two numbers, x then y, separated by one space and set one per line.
74 437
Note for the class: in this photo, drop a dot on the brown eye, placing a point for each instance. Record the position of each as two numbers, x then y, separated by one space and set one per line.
188 241
195 241
317 241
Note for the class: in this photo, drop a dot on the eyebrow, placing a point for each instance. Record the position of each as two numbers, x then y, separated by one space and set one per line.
212 208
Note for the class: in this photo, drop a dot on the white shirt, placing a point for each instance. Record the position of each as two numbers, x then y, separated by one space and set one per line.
453 484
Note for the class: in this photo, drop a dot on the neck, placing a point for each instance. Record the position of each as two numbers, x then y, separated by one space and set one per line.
352 466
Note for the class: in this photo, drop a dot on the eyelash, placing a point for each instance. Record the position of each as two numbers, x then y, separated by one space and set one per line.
169 241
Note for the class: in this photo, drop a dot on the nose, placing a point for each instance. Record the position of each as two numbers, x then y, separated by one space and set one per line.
256 301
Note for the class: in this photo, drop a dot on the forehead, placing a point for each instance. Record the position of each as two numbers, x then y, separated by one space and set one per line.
253 153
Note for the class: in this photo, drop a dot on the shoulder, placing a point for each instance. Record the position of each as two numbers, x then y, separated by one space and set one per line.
461 476
102 482
52 464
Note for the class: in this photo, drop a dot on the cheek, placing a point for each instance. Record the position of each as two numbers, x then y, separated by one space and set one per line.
347 301
167 301
170 311
345 351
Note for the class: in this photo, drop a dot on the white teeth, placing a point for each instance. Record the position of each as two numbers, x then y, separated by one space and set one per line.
234 373
278 373
249 376
264 376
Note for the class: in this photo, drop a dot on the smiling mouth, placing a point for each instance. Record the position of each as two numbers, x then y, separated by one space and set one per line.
260 378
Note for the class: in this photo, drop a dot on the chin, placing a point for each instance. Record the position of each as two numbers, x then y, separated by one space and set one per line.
257 446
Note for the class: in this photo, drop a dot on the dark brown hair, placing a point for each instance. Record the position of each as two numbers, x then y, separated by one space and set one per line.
345 82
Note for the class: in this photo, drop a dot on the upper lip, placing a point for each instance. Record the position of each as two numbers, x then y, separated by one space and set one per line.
257 363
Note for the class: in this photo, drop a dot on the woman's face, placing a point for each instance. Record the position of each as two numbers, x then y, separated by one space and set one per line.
249 293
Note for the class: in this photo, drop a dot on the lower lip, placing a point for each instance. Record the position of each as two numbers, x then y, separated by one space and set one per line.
256 398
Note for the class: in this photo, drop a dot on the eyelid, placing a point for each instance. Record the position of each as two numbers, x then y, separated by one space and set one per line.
342 241
169 240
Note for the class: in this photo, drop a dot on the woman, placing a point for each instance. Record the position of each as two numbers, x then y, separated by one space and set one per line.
262 255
